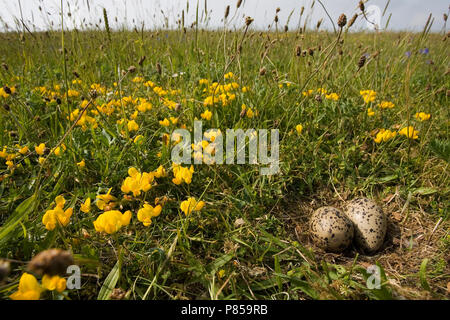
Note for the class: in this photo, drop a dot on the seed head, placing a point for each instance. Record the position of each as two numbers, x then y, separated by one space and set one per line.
227 11
131 69
352 20
298 51
342 21
262 71
51 262
7 90
4 270
238 4
248 21
158 68
362 61
361 6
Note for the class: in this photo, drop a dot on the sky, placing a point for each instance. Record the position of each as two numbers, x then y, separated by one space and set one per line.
409 15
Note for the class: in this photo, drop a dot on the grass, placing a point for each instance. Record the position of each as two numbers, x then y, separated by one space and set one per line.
250 241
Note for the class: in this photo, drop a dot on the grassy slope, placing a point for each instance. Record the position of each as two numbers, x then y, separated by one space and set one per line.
334 159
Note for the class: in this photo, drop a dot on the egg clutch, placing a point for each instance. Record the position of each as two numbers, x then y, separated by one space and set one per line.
362 221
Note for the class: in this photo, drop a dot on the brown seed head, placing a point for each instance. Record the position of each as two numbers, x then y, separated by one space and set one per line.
238 4
298 51
227 11
141 60
118 294
4 270
7 90
262 71
342 21
248 21
352 20
158 68
362 61
361 6
52 262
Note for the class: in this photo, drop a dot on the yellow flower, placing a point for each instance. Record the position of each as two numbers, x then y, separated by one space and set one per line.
229 75
370 112
307 93
111 221
190 205
133 126
144 106
24 150
422 116
206 115
165 122
386 105
299 128
59 150
41 160
40 149
72 93
29 288
174 120
384 135
221 273
250 113
81 164
409 132
86 206
182 174
105 200
9 164
137 182
368 95
332 96
146 214
54 283
57 215
160 172
138 139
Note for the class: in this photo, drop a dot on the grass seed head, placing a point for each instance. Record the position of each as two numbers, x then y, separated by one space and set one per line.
352 20
342 21
361 6
362 61
51 262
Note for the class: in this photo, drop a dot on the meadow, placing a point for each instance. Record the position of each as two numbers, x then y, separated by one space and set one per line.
85 161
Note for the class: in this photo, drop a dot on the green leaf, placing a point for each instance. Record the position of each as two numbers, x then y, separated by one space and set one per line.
17 216
219 262
425 191
110 283
423 275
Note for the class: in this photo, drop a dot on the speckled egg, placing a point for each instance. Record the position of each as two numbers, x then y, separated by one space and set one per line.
369 222
331 229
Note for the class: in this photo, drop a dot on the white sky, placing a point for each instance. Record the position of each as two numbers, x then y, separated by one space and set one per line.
406 14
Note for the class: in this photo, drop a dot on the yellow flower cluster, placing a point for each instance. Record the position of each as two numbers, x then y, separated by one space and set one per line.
29 288
422 116
190 205
386 105
384 135
137 182
57 215
368 95
322 91
409 132
111 221
148 212
182 174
